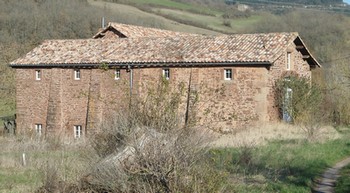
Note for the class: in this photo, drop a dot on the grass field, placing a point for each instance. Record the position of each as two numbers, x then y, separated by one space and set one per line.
137 16
177 16
44 159
285 165
174 5
211 22
281 165
343 183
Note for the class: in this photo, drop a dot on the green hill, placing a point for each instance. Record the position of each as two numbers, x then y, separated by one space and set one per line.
303 2
22 27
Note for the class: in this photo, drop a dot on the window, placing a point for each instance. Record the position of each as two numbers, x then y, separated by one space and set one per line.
77 74
228 74
38 129
37 75
77 131
287 105
288 60
166 73
117 74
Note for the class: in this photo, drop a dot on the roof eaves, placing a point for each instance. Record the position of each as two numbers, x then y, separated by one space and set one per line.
145 64
312 59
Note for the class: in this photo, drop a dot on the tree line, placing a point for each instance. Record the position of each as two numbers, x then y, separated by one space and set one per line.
24 24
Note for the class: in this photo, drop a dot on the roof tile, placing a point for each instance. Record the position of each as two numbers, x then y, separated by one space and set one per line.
183 49
132 31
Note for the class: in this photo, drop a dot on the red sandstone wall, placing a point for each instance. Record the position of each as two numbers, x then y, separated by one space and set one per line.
298 66
59 102
222 105
31 98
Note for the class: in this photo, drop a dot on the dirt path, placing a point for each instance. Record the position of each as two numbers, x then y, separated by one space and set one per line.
326 183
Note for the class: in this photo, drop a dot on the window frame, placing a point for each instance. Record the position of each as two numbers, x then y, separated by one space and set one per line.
39 129
77 74
166 73
228 71
289 60
117 74
78 131
37 74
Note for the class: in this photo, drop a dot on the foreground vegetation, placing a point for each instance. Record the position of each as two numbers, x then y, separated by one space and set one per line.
287 165
280 166
343 183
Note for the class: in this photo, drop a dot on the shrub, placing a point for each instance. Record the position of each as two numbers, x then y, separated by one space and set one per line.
148 149
299 101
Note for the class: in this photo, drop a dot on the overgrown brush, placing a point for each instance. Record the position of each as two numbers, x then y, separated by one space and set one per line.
300 102
147 148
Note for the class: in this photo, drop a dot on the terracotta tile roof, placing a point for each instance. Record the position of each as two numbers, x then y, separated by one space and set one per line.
118 30
243 48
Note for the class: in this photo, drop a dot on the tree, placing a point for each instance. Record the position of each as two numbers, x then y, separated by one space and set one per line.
300 102
147 149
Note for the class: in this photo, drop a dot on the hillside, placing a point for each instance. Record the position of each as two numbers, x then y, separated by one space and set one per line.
312 2
22 28
154 20
302 2
268 158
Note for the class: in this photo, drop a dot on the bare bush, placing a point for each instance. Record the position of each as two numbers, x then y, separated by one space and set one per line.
147 149
52 181
300 102
152 161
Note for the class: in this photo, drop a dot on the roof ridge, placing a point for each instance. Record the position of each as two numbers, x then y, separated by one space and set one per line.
244 48
296 34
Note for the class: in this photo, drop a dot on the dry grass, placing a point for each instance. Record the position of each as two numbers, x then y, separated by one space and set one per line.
267 132
66 160
42 157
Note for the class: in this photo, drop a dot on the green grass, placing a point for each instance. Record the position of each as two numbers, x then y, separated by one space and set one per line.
18 180
210 22
7 108
280 166
174 5
43 158
343 182
192 15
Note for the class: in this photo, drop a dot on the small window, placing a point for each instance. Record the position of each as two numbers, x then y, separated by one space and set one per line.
166 73
37 75
228 74
288 60
77 131
77 74
117 74
38 129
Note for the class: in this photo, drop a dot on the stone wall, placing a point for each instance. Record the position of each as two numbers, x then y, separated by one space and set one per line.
279 70
59 102
31 98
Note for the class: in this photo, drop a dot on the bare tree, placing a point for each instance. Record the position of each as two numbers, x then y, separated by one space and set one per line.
300 102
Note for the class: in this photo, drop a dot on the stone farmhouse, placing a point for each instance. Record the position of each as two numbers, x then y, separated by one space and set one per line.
61 87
